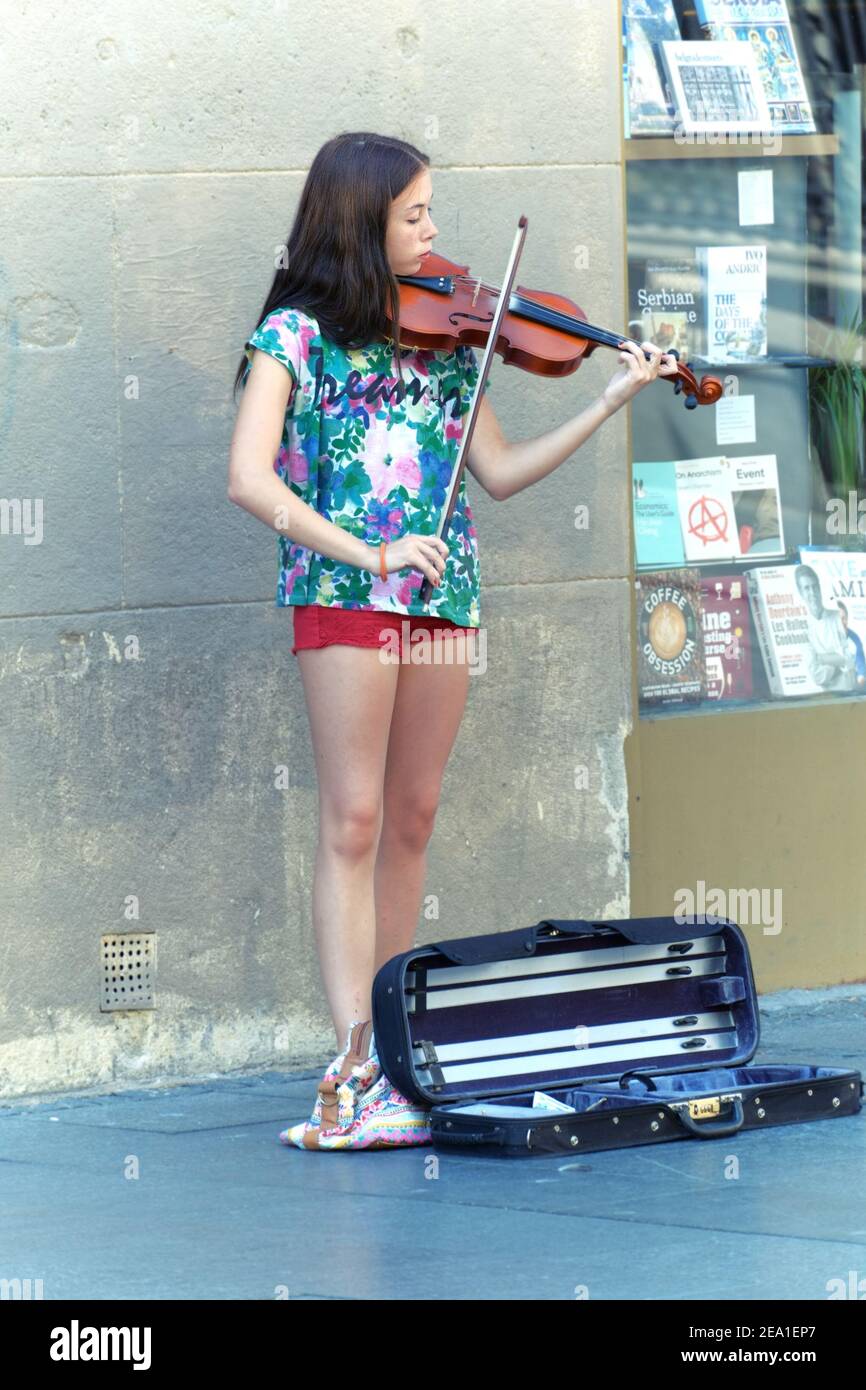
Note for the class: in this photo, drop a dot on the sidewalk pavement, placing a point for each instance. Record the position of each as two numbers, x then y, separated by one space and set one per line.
220 1209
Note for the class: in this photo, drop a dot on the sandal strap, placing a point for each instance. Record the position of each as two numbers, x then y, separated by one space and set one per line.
358 1052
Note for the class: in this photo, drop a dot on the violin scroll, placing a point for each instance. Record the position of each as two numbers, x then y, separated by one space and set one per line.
704 392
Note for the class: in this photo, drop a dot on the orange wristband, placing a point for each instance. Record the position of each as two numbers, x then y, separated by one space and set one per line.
382 570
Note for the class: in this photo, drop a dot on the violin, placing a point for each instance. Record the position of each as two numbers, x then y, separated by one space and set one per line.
544 333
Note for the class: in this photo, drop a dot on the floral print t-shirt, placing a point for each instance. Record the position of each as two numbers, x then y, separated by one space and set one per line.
376 457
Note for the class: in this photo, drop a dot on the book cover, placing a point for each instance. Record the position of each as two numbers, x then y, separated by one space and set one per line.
754 483
803 645
766 25
716 86
650 106
842 577
736 302
626 111
670 638
706 509
657 536
727 632
762 635
666 305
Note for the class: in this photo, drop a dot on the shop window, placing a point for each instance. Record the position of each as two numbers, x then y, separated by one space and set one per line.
745 213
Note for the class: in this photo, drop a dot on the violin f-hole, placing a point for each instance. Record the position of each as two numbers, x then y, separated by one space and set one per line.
470 318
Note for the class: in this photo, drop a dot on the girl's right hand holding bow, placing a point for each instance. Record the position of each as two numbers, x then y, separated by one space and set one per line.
412 551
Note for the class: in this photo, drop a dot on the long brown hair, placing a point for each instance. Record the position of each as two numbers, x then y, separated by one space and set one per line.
337 270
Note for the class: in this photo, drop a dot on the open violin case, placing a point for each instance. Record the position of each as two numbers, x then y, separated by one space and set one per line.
574 1036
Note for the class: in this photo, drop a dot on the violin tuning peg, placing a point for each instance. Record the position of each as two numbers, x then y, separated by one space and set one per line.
673 353
678 386
691 402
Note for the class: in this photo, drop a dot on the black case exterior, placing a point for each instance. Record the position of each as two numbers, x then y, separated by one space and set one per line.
481 1022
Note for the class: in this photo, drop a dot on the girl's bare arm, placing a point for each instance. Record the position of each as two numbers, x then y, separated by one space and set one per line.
253 484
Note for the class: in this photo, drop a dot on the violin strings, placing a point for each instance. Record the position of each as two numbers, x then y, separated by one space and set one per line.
567 321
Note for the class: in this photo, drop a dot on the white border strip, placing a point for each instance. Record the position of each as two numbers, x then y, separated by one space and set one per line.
494 993
660 1028
565 960
545 1063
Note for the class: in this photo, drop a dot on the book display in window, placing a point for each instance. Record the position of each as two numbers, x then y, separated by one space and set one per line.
717 535
707 510
766 26
716 86
650 110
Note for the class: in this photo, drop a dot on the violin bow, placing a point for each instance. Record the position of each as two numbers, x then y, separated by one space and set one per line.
502 306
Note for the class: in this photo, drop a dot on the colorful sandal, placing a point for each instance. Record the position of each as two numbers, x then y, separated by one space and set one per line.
353 1070
357 1106
386 1119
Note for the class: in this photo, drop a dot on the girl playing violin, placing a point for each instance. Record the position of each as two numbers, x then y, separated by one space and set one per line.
344 444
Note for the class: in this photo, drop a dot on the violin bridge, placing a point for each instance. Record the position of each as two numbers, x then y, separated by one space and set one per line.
477 292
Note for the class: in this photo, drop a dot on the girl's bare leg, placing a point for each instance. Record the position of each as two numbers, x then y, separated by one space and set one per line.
350 696
427 712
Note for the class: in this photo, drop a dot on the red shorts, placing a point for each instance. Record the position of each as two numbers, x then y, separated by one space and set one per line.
319 626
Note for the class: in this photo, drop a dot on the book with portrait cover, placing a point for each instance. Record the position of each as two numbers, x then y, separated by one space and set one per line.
766 25
727 633
842 577
670 640
650 110
780 621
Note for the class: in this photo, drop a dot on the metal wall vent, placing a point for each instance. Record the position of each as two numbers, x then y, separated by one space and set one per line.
128 965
